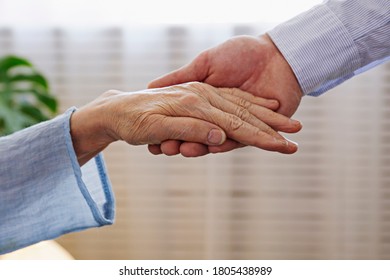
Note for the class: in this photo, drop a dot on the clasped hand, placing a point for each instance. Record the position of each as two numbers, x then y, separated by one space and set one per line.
191 112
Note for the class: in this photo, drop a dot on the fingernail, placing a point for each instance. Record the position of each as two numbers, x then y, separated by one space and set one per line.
296 124
216 137
286 142
292 121
294 143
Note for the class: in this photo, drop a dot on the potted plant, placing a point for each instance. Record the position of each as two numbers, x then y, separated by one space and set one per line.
25 97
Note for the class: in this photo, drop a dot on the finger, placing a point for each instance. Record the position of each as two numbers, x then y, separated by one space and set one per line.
233 122
271 104
170 147
227 146
197 70
248 134
155 149
277 121
242 111
189 149
218 101
190 130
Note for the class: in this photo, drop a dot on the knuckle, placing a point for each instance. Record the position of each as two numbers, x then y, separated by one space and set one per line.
199 88
111 92
244 103
259 132
195 87
266 130
178 88
242 113
235 123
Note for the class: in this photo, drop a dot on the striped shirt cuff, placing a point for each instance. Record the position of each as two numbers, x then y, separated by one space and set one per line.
318 48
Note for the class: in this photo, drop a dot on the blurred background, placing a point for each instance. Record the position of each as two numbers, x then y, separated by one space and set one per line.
331 200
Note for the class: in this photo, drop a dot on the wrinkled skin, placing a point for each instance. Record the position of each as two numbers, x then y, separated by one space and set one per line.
193 112
252 64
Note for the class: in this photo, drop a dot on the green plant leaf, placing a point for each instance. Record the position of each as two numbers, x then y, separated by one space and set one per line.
14 120
43 96
11 61
24 95
33 112
33 78
49 101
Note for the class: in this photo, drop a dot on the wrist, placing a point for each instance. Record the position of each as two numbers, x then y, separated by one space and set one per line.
282 62
88 133
286 87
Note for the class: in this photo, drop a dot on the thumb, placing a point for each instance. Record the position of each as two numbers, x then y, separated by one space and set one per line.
195 71
191 130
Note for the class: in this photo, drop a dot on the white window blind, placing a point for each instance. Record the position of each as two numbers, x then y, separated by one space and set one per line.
331 200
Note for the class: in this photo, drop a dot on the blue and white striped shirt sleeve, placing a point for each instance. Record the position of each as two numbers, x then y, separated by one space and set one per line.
335 41
43 191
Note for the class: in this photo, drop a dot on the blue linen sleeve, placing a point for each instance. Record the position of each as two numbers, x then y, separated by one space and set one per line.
335 41
43 191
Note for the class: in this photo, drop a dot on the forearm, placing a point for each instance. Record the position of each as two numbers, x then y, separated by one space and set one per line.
43 191
334 41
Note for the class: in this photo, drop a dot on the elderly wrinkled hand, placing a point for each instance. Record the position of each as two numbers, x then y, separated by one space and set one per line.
192 112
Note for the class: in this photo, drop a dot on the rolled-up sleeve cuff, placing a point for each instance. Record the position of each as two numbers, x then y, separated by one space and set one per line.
43 192
318 48
93 182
